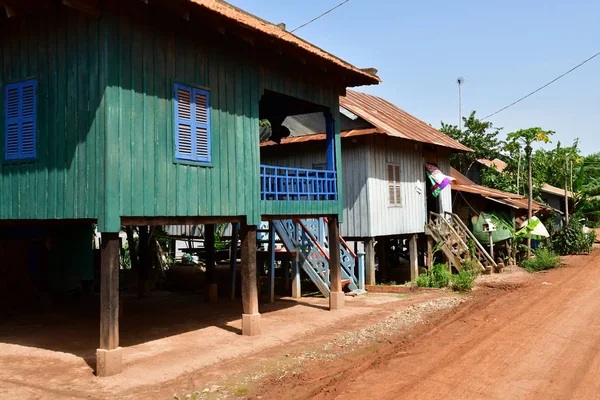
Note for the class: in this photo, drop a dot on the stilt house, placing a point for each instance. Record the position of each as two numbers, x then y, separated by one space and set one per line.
147 113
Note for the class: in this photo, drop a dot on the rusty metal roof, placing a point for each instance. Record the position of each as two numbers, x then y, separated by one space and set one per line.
321 136
463 184
499 164
254 23
556 191
393 121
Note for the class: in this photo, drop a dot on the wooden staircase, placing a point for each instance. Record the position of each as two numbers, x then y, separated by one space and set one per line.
309 238
454 236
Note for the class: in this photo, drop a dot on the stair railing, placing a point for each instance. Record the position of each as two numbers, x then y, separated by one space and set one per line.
348 259
481 251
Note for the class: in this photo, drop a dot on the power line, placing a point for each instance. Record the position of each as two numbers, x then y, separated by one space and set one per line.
316 18
542 87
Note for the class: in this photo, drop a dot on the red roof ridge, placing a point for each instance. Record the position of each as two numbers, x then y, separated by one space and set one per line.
253 22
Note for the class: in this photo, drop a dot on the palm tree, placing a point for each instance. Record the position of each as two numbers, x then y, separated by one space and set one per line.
528 137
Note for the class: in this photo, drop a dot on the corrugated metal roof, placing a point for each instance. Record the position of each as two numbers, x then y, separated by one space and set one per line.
257 24
464 184
556 191
321 136
499 164
393 121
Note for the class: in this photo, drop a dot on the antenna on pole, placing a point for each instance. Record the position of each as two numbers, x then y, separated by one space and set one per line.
460 81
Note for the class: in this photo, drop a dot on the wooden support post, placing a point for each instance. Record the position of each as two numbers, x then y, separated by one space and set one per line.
382 256
429 252
250 316
296 284
336 295
370 261
109 359
286 266
414 258
145 261
233 256
330 141
271 262
210 284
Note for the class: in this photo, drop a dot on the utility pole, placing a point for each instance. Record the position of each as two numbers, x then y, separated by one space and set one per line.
460 81
519 173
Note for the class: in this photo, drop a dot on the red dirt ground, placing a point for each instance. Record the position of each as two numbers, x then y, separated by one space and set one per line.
534 340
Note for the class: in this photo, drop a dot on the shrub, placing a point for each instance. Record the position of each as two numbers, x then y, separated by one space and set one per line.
543 260
572 240
423 280
440 276
463 281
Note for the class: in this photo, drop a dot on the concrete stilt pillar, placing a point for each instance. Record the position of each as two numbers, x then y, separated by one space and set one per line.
109 359
370 261
250 318
414 258
336 295
210 284
296 284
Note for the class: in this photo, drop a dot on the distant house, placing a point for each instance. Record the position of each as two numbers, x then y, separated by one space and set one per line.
470 200
550 195
386 194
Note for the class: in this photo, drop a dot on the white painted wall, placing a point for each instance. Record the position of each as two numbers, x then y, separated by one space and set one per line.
367 212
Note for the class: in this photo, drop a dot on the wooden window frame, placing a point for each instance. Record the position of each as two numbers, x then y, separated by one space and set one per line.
394 185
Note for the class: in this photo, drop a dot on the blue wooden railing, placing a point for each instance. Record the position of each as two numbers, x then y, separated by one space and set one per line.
297 184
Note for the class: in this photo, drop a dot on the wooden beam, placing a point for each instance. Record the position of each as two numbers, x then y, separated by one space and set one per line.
250 317
87 6
336 295
109 291
414 258
209 246
177 220
370 261
248 266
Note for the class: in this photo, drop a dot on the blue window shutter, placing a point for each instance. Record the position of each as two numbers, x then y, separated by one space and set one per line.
28 119
202 102
184 124
192 124
21 120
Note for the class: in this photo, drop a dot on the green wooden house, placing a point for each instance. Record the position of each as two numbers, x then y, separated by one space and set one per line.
146 112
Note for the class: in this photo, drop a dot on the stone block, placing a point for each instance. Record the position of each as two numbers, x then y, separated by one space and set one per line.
251 324
109 362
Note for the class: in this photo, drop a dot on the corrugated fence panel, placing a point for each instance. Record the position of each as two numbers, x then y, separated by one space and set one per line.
410 216
355 159
60 50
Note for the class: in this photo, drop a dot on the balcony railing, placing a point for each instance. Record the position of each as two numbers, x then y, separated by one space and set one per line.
297 184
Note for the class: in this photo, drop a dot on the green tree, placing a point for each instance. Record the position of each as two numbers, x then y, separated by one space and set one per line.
587 189
480 136
528 137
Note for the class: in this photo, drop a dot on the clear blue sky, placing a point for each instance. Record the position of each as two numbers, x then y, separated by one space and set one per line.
503 49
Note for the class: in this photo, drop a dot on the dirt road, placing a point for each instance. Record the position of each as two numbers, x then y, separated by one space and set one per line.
540 340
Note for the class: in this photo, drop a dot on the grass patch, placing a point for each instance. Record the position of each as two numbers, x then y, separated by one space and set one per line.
241 391
463 281
541 261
